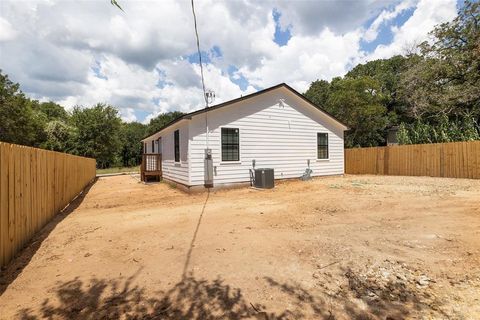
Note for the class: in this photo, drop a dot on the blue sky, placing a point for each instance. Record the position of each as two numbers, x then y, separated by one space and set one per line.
385 34
281 35
144 60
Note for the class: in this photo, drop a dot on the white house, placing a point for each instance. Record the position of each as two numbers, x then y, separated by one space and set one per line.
274 128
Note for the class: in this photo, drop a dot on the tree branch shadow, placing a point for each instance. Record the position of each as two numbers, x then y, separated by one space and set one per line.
193 298
121 298
11 271
358 297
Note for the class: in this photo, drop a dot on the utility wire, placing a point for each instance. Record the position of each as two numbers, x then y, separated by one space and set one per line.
201 73
199 55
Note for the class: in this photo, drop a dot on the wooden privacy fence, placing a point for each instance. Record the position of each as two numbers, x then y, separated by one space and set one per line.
35 185
453 160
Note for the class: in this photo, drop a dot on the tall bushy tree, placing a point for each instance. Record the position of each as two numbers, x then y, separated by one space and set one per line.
446 81
60 137
131 150
318 92
358 102
97 133
19 123
161 120
387 72
52 111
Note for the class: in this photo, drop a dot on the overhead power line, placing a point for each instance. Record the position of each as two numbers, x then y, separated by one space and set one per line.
199 55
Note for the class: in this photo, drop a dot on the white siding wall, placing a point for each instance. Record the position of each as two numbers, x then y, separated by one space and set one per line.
283 138
171 170
149 146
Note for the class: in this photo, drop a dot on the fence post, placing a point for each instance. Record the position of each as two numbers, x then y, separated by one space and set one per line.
386 161
442 161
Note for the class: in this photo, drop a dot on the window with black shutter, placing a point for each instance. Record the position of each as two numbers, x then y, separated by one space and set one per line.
230 144
153 146
322 145
176 142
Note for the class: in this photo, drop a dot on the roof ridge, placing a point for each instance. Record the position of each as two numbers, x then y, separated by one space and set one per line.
248 96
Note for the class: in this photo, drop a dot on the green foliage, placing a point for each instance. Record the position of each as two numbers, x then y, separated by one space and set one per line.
52 111
445 130
97 133
367 99
434 95
445 81
318 92
119 170
357 102
60 136
131 151
161 120
403 135
116 4
19 123
387 73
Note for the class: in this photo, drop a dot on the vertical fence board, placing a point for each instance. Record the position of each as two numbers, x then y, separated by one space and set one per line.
3 203
453 160
35 185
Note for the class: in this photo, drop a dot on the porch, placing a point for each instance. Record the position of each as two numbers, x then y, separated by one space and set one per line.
151 166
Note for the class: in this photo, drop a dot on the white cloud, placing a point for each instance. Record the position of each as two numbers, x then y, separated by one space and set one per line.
307 58
427 14
128 114
7 32
387 15
84 52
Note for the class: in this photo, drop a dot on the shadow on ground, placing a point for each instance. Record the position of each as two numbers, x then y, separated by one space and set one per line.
22 259
193 298
351 295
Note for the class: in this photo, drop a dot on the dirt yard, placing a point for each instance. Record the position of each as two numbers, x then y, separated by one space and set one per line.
353 247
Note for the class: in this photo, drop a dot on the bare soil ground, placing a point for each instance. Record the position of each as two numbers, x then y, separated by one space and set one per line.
353 247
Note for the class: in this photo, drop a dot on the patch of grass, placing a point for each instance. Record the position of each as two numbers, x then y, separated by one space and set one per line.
171 184
118 170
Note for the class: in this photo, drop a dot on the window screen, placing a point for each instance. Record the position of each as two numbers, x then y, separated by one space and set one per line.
176 138
322 145
230 144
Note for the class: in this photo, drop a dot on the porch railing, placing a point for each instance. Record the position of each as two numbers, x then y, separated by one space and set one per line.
151 165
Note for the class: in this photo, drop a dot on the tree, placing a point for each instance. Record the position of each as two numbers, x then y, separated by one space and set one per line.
97 133
60 136
52 111
131 150
161 120
318 92
358 103
18 121
446 81
387 72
